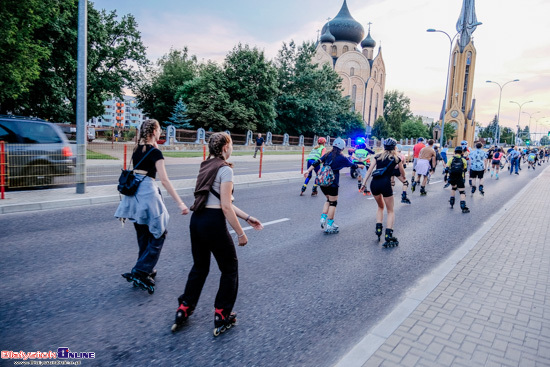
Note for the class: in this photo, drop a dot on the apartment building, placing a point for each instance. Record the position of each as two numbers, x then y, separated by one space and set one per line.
119 113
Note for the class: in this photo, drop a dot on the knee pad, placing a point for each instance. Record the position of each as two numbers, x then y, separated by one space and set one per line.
462 192
406 183
333 203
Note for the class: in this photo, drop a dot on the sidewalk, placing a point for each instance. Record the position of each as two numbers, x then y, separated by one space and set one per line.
487 305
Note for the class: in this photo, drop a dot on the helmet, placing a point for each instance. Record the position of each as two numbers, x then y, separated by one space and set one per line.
360 146
321 140
464 143
339 143
420 139
390 143
458 150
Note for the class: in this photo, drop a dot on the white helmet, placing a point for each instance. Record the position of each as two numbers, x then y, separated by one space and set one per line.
339 143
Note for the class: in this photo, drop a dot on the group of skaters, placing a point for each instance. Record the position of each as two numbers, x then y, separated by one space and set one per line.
390 164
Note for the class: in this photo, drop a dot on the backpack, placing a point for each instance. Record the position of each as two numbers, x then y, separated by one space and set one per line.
457 165
326 175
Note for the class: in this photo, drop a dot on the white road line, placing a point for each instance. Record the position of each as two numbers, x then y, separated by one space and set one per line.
434 182
264 224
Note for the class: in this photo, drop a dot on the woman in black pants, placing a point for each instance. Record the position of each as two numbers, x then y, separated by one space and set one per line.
382 171
209 235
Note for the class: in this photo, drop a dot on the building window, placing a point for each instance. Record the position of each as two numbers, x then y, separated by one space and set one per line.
325 47
375 75
376 108
345 49
353 96
352 71
334 51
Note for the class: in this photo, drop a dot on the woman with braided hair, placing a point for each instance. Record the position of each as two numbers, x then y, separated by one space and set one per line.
209 235
146 208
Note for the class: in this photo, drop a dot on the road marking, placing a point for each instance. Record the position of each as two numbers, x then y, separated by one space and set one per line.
434 182
264 224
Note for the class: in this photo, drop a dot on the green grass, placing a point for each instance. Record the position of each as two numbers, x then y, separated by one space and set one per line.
175 154
95 155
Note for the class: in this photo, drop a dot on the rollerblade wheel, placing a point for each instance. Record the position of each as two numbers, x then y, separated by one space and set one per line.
175 327
219 330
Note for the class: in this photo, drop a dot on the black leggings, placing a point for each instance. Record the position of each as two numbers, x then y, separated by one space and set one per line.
209 234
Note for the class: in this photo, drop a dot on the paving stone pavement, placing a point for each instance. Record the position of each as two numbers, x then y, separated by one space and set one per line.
492 308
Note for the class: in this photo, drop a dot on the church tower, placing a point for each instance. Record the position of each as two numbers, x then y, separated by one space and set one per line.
345 48
460 107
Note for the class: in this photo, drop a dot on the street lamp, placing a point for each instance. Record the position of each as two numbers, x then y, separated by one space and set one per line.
432 30
537 126
530 116
519 115
497 132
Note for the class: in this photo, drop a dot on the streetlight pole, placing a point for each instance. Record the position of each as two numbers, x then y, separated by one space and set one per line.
530 116
497 132
519 116
537 126
441 139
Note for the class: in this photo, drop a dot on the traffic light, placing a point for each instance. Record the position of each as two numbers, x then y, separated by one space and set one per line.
549 134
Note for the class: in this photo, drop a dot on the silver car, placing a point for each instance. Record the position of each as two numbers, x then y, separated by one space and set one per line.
36 151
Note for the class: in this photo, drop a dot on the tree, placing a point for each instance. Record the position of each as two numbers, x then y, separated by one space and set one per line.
156 94
449 132
544 140
525 133
252 85
179 116
381 129
397 109
414 128
507 136
310 100
209 103
115 57
21 55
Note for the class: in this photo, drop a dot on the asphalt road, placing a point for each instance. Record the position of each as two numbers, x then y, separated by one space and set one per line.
305 298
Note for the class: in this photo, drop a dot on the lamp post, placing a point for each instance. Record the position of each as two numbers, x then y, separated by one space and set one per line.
519 115
497 132
446 83
537 126
530 116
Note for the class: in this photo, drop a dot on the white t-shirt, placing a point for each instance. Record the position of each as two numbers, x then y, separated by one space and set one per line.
225 174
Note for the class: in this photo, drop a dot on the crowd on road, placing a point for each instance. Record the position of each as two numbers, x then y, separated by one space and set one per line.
213 207
467 163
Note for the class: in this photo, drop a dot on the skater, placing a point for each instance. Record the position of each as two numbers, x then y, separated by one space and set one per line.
209 236
477 167
515 156
456 168
316 153
382 170
416 151
532 159
146 208
424 166
489 159
260 143
336 161
497 156
359 156
400 177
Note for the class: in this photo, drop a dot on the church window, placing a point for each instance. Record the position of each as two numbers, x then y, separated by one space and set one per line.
352 71
345 49
469 59
375 75
465 91
325 47
376 108
370 105
353 96
334 51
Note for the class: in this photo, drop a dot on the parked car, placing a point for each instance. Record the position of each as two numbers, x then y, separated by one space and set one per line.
36 151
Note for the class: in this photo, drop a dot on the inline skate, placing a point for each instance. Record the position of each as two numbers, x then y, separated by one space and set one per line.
405 199
141 280
182 314
481 190
423 191
314 191
304 187
223 322
332 228
464 208
391 241
452 201
378 230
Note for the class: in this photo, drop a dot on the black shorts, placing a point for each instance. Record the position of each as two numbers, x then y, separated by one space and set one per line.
330 190
457 181
496 162
381 186
396 172
476 174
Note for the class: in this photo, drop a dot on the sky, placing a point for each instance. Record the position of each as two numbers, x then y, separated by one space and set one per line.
512 43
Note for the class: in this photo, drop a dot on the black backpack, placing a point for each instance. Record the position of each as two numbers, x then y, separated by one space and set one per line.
457 165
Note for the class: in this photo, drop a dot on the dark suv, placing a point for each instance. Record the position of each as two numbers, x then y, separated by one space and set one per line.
36 151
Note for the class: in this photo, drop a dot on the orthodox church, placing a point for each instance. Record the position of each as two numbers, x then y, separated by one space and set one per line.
345 48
